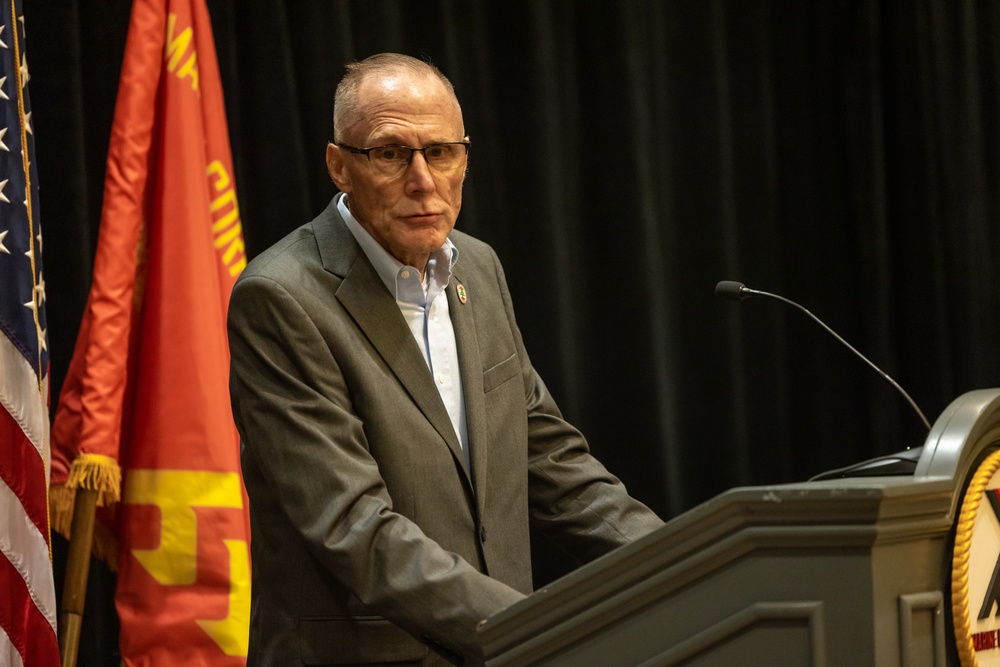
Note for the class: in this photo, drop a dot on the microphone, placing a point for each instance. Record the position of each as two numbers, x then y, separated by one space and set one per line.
735 291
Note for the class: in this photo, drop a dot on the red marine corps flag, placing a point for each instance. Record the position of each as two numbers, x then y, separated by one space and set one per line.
144 416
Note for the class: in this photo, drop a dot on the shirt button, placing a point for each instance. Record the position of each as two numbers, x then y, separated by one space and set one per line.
405 274
440 379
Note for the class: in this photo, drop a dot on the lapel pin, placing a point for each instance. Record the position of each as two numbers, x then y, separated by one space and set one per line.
462 294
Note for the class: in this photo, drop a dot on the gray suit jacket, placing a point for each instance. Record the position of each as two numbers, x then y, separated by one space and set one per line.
371 541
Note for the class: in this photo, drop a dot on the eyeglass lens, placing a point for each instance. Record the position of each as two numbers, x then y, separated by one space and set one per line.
441 157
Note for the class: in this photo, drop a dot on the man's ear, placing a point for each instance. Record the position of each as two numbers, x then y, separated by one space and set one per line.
336 165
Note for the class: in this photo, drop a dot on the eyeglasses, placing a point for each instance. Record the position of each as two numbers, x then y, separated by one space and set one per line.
391 160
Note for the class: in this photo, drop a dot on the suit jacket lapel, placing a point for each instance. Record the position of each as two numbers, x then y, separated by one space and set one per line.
364 296
471 369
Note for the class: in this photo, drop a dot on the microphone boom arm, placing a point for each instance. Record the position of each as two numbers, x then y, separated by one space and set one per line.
731 289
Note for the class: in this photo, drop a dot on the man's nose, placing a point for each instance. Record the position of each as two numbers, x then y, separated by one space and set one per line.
418 174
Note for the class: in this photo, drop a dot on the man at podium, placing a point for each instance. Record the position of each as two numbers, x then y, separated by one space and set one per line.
396 440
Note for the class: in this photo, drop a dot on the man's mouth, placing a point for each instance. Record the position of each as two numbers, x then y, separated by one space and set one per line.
421 217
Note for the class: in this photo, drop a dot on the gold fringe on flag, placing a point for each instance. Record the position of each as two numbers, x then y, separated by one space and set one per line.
98 473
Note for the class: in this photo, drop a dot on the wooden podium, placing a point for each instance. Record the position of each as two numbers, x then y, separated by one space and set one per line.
851 571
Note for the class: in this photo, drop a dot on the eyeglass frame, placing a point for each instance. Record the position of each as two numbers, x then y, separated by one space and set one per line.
367 151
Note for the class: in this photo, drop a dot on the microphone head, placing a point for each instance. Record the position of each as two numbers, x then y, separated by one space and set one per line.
730 289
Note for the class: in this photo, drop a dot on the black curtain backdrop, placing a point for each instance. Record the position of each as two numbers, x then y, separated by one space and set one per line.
626 156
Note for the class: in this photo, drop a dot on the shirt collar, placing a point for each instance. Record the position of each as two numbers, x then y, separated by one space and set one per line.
399 278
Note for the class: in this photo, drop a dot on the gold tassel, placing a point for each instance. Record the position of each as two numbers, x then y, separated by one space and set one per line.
99 473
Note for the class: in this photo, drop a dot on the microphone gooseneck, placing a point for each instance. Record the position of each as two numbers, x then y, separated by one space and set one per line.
735 291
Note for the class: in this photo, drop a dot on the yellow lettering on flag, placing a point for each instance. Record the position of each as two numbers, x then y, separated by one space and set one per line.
226 228
231 633
175 561
177 47
177 493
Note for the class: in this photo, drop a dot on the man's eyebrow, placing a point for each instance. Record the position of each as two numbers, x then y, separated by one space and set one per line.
395 140
389 139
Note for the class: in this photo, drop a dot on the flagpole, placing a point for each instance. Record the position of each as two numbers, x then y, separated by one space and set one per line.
77 570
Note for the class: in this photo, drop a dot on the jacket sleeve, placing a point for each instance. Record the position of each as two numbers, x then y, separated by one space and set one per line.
297 424
572 498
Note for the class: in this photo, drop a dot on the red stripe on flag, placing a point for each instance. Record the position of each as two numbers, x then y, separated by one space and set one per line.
23 470
27 628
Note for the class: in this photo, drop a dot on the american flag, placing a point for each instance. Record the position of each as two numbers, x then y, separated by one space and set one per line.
27 594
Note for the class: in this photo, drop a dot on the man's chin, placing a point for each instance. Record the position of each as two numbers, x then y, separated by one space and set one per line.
427 239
